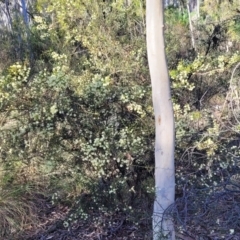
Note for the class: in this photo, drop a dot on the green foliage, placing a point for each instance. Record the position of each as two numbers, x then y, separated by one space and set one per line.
76 119
234 29
93 134
177 38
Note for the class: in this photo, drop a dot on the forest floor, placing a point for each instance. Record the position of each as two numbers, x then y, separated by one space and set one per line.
50 226
48 222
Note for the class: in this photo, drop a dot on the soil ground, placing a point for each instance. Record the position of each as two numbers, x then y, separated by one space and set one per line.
111 227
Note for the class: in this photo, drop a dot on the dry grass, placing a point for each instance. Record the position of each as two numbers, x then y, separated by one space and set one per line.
17 212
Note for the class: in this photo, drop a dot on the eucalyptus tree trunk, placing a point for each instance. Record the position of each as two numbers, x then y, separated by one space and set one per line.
24 13
164 121
5 17
191 27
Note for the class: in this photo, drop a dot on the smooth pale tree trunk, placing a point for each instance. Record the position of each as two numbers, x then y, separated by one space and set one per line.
198 8
24 13
164 121
5 17
191 27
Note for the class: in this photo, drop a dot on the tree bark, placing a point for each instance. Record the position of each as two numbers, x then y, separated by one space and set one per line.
164 121
191 26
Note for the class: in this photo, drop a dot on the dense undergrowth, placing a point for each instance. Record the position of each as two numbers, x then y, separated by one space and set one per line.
76 120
